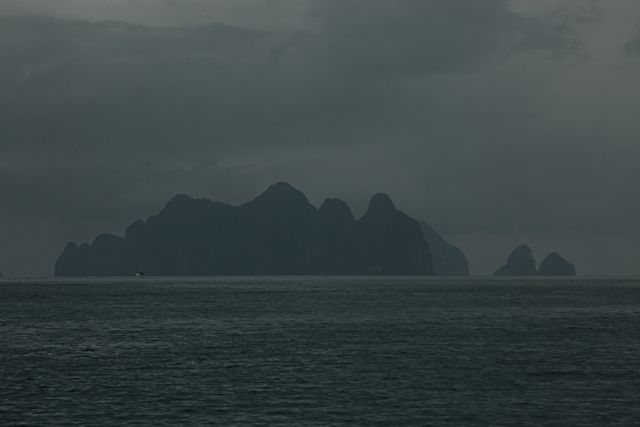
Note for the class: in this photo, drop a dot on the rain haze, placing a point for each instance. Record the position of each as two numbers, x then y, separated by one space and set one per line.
498 122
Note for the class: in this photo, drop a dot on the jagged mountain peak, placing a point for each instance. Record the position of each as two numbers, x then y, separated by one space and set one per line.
381 204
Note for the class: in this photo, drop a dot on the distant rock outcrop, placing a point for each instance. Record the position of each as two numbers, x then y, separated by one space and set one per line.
555 265
448 260
279 232
519 263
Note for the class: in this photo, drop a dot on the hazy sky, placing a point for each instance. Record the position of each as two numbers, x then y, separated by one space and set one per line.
498 122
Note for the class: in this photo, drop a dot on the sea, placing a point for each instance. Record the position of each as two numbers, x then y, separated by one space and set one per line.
320 351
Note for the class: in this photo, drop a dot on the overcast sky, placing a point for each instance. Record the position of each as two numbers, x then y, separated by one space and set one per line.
499 122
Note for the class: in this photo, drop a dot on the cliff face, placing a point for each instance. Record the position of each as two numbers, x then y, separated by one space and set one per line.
448 260
555 265
279 232
336 247
393 242
519 263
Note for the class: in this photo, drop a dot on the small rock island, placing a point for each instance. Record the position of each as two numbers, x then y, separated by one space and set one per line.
555 265
522 263
519 263
279 232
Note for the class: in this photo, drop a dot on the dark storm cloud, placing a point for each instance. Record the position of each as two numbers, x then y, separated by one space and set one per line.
104 84
96 84
472 115
416 37
265 14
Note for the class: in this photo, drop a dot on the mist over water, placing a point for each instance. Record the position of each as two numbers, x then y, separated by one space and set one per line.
320 351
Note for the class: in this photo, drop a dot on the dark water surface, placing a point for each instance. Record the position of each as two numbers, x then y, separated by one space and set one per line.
320 351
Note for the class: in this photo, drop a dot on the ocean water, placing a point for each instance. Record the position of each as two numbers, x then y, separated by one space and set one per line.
320 351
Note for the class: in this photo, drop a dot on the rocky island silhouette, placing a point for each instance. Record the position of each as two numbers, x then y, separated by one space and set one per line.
278 233
522 263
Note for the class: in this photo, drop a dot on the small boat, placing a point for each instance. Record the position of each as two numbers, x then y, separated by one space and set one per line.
139 273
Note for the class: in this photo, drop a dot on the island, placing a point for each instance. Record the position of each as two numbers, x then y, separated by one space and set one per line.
519 263
556 265
522 263
278 233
